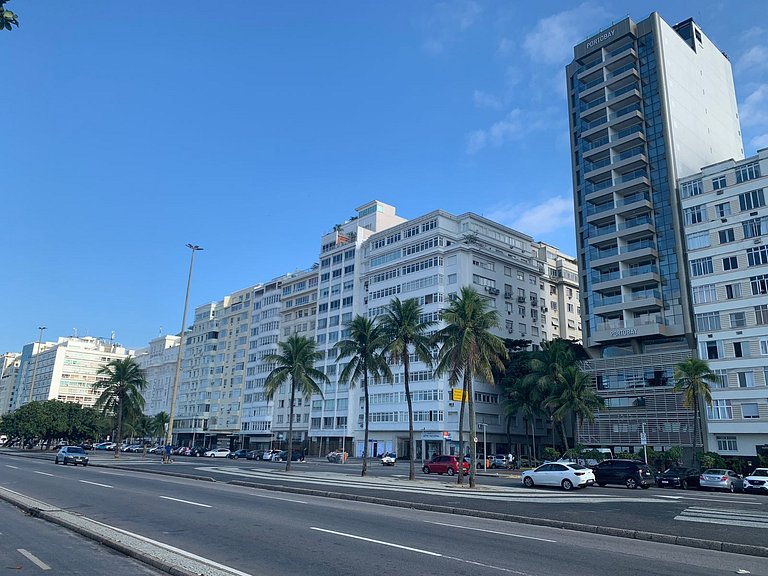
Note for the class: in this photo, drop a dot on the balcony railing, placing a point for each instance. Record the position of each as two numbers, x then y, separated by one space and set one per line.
645 294
587 145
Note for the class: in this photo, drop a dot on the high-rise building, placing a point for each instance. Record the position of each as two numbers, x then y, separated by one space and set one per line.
10 362
158 361
648 103
726 225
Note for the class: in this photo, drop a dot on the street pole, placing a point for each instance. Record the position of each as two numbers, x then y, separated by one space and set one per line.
169 435
37 360
644 440
485 443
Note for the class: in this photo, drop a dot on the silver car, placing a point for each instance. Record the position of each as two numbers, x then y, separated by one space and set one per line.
720 479
71 455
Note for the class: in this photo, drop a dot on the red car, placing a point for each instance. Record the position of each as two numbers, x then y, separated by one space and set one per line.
444 465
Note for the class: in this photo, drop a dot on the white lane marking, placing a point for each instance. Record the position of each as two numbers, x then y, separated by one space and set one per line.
283 499
731 501
9 466
491 531
34 559
43 473
745 514
726 521
186 502
172 549
111 473
96 484
418 550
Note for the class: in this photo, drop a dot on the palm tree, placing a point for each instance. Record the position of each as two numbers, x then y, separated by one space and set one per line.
576 396
294 363
121 390
523 398
161 421
469 349
547 366
364 348
404 330
693 377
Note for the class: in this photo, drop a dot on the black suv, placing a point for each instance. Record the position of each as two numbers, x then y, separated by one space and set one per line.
630 473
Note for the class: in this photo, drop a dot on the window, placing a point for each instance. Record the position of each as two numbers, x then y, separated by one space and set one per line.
751 200
697 240
759 284
694 214
701 266
708 321
718 183
740 349
730 263
722 379
751 410
693 188
704 294
723 210
746 379
711 349
726 443
747 172
720 410
755 227
761 314
738 319
732 291
764 349
757 256
726 235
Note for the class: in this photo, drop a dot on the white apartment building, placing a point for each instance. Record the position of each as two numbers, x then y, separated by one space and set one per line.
10 362
66 370
726 231
158 361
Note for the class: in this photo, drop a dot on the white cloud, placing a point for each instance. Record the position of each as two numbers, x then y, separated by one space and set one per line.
476 141
505 46
754 110
554 214
759 142
552 39
485 100
448 21
515 124
754 59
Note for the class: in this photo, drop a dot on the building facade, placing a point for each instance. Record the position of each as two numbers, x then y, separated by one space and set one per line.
158 361
648 103
726 224
10 362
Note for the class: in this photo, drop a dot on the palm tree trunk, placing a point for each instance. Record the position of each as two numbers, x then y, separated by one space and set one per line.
695 429
473 432
460 479
290 427
365 445
119 426
565 435
527 440
533 435
406 382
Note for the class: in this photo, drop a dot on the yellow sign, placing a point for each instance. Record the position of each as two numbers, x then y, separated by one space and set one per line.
456 394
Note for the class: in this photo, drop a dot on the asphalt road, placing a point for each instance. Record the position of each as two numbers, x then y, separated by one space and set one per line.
32 546
278 533
737 518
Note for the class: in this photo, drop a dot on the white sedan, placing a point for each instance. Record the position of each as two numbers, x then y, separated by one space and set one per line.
567 475
217 453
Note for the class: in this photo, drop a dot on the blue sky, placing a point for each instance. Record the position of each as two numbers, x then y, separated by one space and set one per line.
251 128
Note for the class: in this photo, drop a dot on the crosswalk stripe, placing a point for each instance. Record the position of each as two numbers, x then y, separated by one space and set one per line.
743 518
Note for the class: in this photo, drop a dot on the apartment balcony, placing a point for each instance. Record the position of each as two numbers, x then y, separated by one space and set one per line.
625 52
592 148
619 76
632 328
626 117
590 71
608 305
644 302
641 275
638 202
625 94
620 141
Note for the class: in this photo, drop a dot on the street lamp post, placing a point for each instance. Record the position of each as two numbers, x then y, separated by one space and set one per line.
174 393
485 444
37 360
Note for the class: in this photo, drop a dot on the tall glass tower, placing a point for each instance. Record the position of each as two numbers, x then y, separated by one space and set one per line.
648 103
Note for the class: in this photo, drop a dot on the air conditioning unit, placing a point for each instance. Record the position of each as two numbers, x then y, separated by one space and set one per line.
758 240
487 288
494 291
508 295
521 299
544 309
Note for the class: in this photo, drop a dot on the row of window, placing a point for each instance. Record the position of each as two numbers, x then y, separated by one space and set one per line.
743 173
753 228
754 256
723 410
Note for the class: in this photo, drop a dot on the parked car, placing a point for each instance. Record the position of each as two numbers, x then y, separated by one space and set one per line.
499 461
268 455
254 454
389 459
86 446
445 465
567 475
336 457
720 479
630 473
105 446
71 454
217 453
282 456
757 481
678 477
242 453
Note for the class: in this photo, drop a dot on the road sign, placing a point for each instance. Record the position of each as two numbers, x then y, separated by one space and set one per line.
643 439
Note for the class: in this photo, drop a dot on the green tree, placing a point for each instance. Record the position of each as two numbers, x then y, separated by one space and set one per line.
364 348
405 331
523 398
7 18
547 366
693 377
468 350
121 386
161 422
295 363
516 367
575 396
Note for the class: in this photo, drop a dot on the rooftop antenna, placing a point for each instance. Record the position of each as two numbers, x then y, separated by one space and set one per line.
75 331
